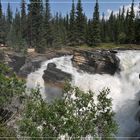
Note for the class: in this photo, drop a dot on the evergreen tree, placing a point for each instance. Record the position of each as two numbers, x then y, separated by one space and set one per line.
131 27
9 19
36 24
59 31
89 33
123 18
137 27
111 27
117 27
126 22
67 22
80 24
47 25
14 38
23 19
9 14
122 35
1 25
72 26
103 29
96 25
0 10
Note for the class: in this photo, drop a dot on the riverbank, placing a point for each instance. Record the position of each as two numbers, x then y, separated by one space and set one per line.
25 64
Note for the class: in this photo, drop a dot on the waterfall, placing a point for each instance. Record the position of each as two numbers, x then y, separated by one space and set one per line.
125 87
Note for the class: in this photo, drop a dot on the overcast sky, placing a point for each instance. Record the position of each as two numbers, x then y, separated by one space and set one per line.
64 6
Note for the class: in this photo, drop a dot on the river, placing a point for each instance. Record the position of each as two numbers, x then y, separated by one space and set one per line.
125 87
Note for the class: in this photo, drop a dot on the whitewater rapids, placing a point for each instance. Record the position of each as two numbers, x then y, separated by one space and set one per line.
125 87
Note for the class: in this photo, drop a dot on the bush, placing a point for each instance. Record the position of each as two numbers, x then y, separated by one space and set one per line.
77 114
10 85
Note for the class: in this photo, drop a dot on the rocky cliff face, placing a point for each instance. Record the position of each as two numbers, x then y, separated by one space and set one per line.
102 62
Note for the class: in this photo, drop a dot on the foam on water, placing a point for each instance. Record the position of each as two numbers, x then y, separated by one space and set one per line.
125 87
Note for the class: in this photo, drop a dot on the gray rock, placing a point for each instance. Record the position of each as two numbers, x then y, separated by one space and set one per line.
55 75
102 62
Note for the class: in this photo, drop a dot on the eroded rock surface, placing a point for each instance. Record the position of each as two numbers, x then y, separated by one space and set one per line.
102 62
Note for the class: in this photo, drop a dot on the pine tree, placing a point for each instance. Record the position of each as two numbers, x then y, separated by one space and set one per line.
59 31
89 33
131 27
35 24
0 10
80 24
9 19
117 27
47 25
126 23
23 19
1 24
72 27
103 29
15 39
137 27
23 10
67 22
96 25
9 14
121 24
111 27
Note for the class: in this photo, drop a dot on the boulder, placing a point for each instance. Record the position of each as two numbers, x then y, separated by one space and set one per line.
53 75
102 62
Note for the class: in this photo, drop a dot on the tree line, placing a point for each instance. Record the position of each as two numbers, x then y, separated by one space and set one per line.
39 29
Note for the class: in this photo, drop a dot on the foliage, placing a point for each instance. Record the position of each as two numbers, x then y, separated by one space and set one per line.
37 28
10 85
47 25
0 10
35 9
80 24
96 25
72 26
6 132
77 114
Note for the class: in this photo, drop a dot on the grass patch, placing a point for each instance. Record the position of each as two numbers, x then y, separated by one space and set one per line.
108 46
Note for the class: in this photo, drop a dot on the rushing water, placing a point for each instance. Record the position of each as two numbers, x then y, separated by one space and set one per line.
125 87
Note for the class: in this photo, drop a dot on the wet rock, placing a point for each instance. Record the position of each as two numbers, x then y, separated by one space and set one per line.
102 62
55 76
